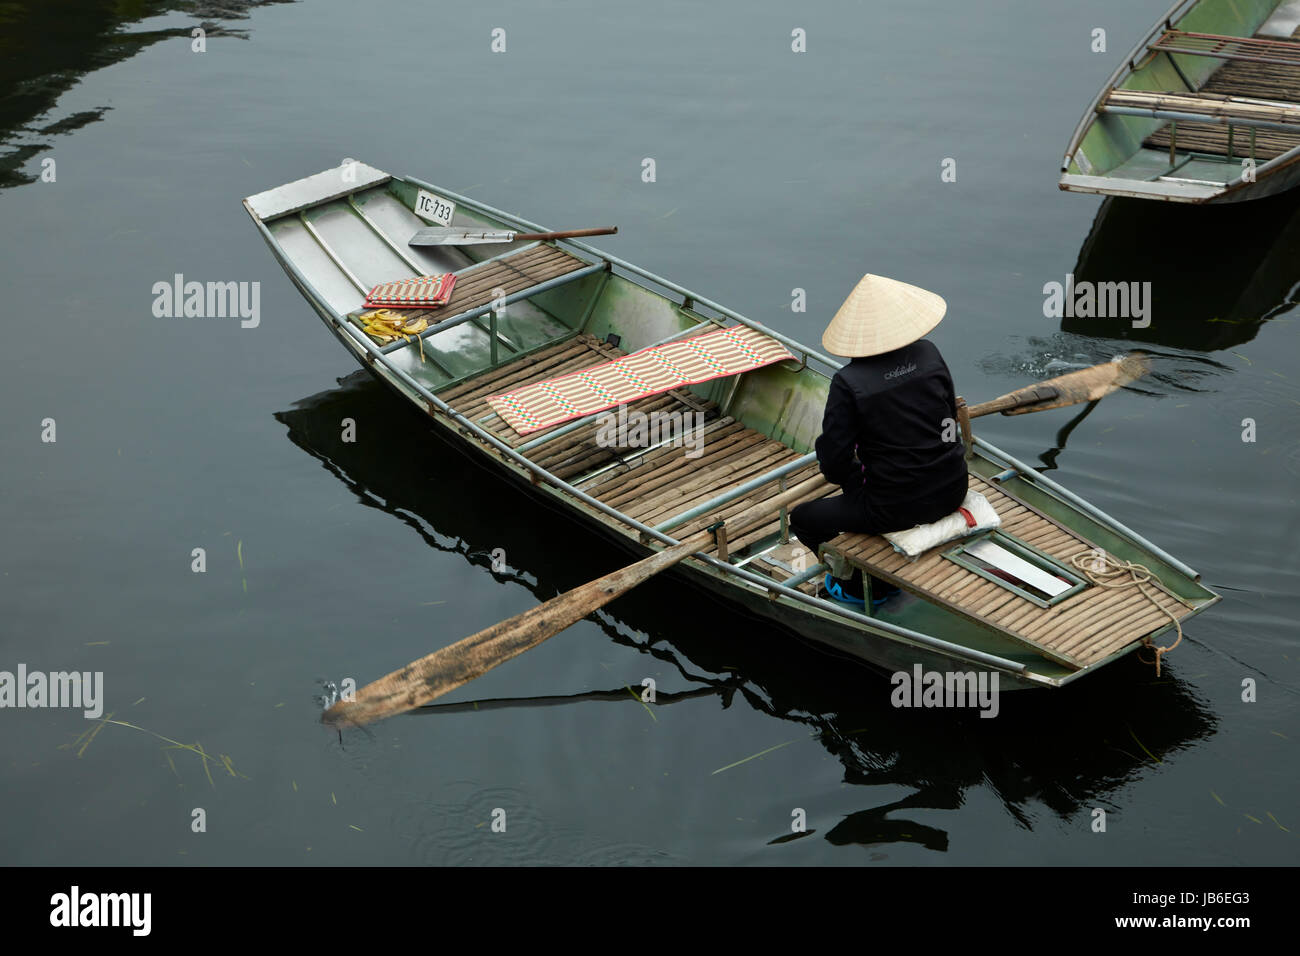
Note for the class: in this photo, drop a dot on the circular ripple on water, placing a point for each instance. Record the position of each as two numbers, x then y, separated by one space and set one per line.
627 854
454 828
1293 461
1275 410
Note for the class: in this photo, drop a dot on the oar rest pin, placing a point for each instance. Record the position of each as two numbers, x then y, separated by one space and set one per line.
719 530
963 421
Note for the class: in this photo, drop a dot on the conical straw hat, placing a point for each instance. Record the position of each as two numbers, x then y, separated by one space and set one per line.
881 315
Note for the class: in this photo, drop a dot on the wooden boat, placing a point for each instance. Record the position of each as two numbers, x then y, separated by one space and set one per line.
569 306
1205 109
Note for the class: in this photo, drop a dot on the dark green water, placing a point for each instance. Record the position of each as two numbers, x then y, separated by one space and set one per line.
775 170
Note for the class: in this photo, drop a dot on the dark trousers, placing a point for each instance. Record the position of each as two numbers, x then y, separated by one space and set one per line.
816 522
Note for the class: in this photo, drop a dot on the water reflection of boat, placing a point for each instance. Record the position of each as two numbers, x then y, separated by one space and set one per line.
406 469
1217 273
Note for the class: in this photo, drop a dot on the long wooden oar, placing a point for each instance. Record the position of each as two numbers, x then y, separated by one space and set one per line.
469 236
444 670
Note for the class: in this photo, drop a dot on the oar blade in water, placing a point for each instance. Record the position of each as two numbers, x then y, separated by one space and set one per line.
453 666
436 674
1085 385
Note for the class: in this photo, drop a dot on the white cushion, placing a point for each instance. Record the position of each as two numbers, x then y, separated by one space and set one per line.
916 541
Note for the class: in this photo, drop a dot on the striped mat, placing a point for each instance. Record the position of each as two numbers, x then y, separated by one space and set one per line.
648 372
418 292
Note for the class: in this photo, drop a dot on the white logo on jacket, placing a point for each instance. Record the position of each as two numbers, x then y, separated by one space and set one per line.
901 371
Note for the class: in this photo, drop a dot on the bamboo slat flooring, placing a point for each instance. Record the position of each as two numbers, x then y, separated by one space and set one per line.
651 485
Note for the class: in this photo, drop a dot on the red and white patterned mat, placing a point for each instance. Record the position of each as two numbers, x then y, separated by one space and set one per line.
416 292
650 371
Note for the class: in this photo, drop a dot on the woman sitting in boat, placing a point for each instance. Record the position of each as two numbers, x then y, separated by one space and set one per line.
889 435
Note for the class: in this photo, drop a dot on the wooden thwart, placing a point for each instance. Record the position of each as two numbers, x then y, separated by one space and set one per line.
1273 50
1210 105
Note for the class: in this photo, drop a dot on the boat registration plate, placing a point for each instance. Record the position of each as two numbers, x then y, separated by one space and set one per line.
434 208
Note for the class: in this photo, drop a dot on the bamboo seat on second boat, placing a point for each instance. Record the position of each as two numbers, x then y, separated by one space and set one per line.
1203 110
1087 626
1275 78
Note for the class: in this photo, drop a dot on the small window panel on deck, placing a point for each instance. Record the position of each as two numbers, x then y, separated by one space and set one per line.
1018 567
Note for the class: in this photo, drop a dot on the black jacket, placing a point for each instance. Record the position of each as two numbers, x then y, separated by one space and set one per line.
895 411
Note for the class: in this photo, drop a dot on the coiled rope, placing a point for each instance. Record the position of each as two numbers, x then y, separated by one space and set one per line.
1107 571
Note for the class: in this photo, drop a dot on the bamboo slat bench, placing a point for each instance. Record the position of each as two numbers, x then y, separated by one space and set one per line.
1258 68
1086 627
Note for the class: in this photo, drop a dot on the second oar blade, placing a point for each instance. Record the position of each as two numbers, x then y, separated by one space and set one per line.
458 236
1091 384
